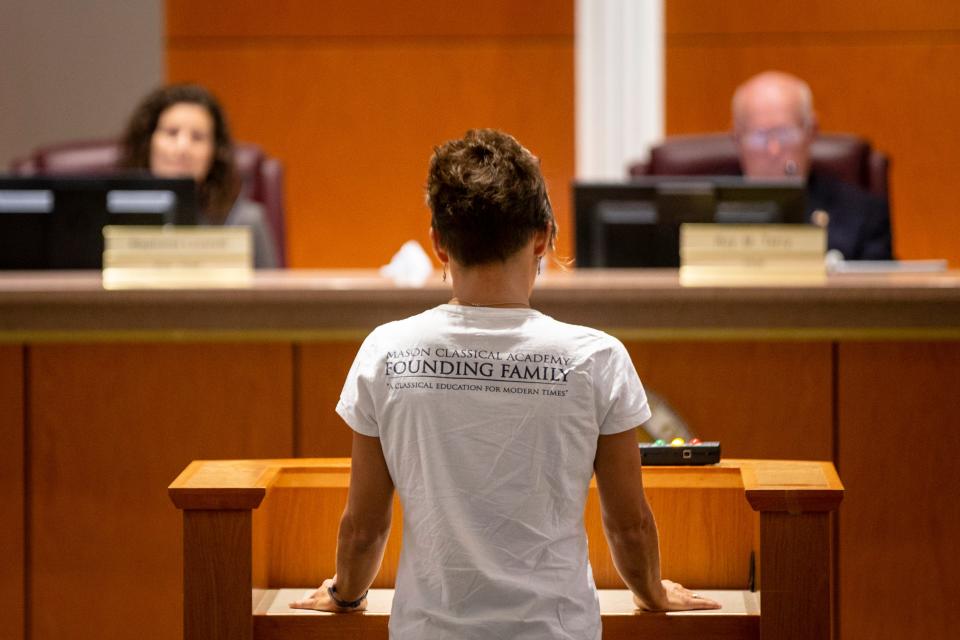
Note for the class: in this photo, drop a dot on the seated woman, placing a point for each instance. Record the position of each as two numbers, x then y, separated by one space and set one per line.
181 131
489 418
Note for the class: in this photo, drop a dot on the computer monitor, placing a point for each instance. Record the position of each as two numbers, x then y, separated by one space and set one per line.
56 222
637 223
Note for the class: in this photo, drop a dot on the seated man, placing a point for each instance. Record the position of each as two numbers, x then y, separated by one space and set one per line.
774 125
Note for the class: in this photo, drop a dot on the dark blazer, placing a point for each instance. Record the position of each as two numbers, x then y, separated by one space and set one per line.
858 222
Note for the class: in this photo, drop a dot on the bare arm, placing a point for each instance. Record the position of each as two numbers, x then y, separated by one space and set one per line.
630 527
365 524
364 527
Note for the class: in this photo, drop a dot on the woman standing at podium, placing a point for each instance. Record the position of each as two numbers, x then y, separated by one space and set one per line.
489 418
181 131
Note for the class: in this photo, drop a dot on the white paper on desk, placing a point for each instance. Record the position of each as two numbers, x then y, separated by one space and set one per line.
837 264
410 266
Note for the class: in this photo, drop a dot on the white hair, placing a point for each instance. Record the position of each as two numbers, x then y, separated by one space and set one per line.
776 80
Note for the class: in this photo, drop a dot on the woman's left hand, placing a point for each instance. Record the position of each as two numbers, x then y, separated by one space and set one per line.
320 600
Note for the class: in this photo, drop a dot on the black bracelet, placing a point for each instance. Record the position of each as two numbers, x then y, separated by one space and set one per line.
343 604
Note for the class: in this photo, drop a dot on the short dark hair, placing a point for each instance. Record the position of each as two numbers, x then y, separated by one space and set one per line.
219 190
487 197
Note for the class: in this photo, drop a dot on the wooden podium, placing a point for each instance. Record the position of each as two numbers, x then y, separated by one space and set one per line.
257 534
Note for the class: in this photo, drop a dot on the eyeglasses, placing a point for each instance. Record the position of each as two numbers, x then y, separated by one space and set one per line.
786 136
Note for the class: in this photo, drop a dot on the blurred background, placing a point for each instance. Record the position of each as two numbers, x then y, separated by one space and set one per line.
352 96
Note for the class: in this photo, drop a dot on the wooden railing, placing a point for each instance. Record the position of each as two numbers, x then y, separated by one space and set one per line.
258 533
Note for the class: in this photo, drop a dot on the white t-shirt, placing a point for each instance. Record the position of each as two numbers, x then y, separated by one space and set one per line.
489 419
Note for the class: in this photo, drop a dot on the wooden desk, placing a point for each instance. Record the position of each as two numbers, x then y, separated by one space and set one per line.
107 395
292 305
252 527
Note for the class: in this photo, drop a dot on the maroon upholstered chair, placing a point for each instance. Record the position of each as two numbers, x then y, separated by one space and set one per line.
261 175
846 157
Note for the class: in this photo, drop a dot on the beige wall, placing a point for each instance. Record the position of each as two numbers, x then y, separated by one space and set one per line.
74 69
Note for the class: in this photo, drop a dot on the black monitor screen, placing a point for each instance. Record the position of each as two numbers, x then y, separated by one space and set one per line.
57 222
637 223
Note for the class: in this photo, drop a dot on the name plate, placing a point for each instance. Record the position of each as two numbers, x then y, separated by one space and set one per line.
751 254
177 257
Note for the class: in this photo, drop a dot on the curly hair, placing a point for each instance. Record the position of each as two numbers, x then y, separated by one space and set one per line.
218 191
487 197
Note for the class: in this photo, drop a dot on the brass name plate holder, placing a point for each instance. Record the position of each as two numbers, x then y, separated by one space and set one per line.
752 254
177 257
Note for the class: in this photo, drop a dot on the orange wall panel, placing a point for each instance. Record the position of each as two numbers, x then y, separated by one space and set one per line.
11 492
763 16
888 72
338 18
322 369
759 399
354 115
898 528
111 425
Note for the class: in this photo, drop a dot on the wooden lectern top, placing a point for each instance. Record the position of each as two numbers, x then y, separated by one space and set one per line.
769 485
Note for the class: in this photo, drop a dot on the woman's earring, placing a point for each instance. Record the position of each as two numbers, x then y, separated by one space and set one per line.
444 273
539 259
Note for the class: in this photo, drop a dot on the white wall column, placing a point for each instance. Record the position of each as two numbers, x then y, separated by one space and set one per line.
619 84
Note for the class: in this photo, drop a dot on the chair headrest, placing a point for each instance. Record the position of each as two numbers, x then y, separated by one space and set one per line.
90 156
841 155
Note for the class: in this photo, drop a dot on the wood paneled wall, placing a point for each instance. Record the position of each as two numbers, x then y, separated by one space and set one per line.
885 69
899 438
12 538
323 366
111 425
353 96
737 393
